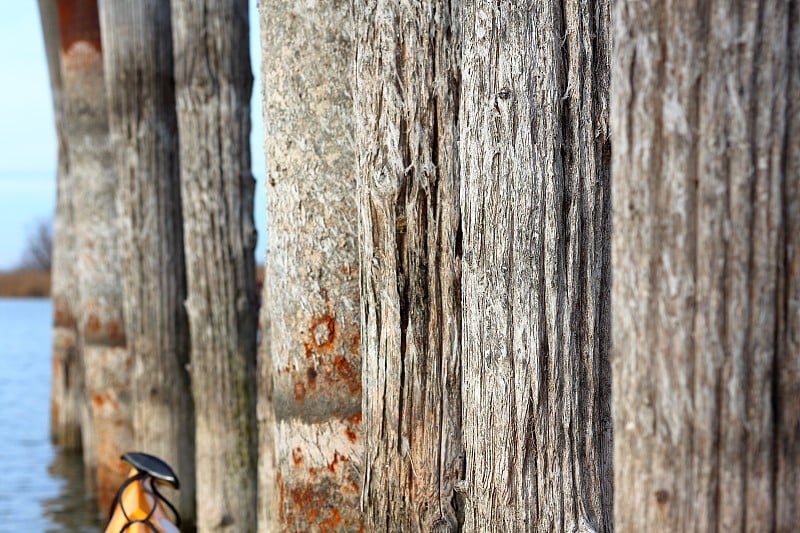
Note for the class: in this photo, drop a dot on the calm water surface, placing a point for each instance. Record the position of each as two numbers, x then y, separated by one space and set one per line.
42 488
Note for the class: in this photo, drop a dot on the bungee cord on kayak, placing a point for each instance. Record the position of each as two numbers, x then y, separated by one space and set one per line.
138 506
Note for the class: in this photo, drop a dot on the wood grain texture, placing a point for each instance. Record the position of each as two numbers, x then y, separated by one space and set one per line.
406 106
267 512
66 391
93 183
312 264
706 258
213 82
137 53
535 166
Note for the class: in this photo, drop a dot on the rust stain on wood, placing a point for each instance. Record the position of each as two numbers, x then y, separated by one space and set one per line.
336 459
333 354
98 400
297 456
62 316
322 333
331 466
311 377
92 326
78 21
299 391
307 505
115 331
109 333
347 374
281 495
111 471
330 523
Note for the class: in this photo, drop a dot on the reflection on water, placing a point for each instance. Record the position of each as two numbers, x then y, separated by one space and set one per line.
69 510
42 489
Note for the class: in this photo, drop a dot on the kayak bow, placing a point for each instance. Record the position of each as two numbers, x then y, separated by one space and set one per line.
139 507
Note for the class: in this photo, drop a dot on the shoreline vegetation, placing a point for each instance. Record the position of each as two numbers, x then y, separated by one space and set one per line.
33 283
25 283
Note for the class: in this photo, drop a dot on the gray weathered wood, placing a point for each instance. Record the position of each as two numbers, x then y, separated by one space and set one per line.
535 156
98 311
406 105
104 359
65 422
213 82
312 264
267 505
706 258
137 51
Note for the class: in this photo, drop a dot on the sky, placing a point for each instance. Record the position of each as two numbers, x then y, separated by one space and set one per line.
27 132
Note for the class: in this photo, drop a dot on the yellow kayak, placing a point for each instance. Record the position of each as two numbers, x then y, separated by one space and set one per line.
139 507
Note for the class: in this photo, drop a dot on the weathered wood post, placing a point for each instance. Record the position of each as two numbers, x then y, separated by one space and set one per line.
106 362
706 259
66 377
213 83
137 48
312 265
406 107
535 163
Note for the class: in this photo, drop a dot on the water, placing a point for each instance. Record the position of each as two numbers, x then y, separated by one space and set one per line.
42 487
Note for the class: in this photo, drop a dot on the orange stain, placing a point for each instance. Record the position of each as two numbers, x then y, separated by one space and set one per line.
311 377
63 319
92 326
115 331
299 391
297 456
78 21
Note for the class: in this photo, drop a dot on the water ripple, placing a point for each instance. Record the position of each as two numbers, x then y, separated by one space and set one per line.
43 487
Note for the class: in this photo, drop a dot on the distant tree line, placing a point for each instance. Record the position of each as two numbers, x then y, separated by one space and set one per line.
532 266
38 252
